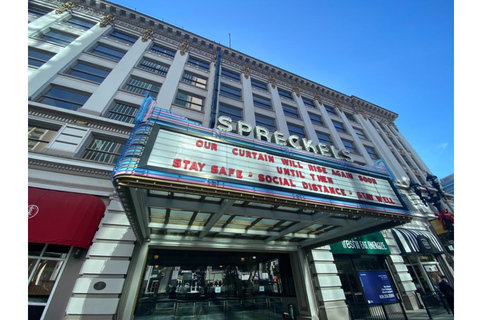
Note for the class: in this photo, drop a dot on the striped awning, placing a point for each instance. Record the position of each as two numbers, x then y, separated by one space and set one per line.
417 241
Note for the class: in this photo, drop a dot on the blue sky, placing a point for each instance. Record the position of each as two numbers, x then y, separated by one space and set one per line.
395 54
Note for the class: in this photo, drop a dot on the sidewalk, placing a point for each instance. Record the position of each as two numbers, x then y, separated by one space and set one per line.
423 315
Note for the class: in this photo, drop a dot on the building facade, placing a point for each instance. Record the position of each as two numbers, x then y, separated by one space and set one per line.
113 91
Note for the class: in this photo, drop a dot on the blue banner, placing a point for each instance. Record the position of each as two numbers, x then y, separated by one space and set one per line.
377 287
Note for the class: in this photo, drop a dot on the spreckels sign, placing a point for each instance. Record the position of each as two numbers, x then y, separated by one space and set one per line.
262 133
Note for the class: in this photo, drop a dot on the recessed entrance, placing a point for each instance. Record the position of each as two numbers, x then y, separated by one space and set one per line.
187 284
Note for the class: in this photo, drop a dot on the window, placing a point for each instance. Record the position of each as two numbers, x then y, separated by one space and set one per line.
259 85
230 75
108 52
360 133
338 126
140 86
123 112
349 146
316 119
37 11
58 37
290 111
194 80
189 101
89 72
37 57
162 51
230 92
45 263
64 98
330 110
199 63
371 152
308 102
232 112
154 67
123 37
295 130
284 94
80 23
350 117
265 122
103 150
39 138
324 138
261 102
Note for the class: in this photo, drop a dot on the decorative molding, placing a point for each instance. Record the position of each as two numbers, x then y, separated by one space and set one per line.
147 34
183 47
318 98
67 6
272 81
108 19
246 71
296 89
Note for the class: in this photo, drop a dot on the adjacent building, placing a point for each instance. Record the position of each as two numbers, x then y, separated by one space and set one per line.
172 176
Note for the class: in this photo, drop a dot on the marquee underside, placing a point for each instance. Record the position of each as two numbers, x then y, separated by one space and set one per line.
166 210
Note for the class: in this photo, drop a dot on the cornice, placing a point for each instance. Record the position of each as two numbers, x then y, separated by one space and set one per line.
140 23
41 112
68 166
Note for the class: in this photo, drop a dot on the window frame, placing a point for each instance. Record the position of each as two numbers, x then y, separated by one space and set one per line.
318 122
123 37
258 84
148 89
41 142
297 130
79 104
155 67
350 146
48 36
198 63
372 153
189 103
330 110
35 260
116 112
84 74
194 82
360 133
38 58
230 92
290 111
233 115
323 138
104 54
308 102
262 102
230 75
163 51
79 23
265 122
284 94
339 126
113 155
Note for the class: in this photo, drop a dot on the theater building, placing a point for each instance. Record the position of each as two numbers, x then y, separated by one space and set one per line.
171 176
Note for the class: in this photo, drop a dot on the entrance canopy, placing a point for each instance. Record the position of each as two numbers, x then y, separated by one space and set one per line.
177 179
417 241
63 218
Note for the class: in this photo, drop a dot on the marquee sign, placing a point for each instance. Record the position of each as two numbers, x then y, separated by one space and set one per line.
200 157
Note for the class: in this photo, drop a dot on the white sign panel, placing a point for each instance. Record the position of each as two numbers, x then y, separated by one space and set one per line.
187 154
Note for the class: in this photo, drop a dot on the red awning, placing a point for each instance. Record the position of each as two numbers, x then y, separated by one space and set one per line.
64 218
